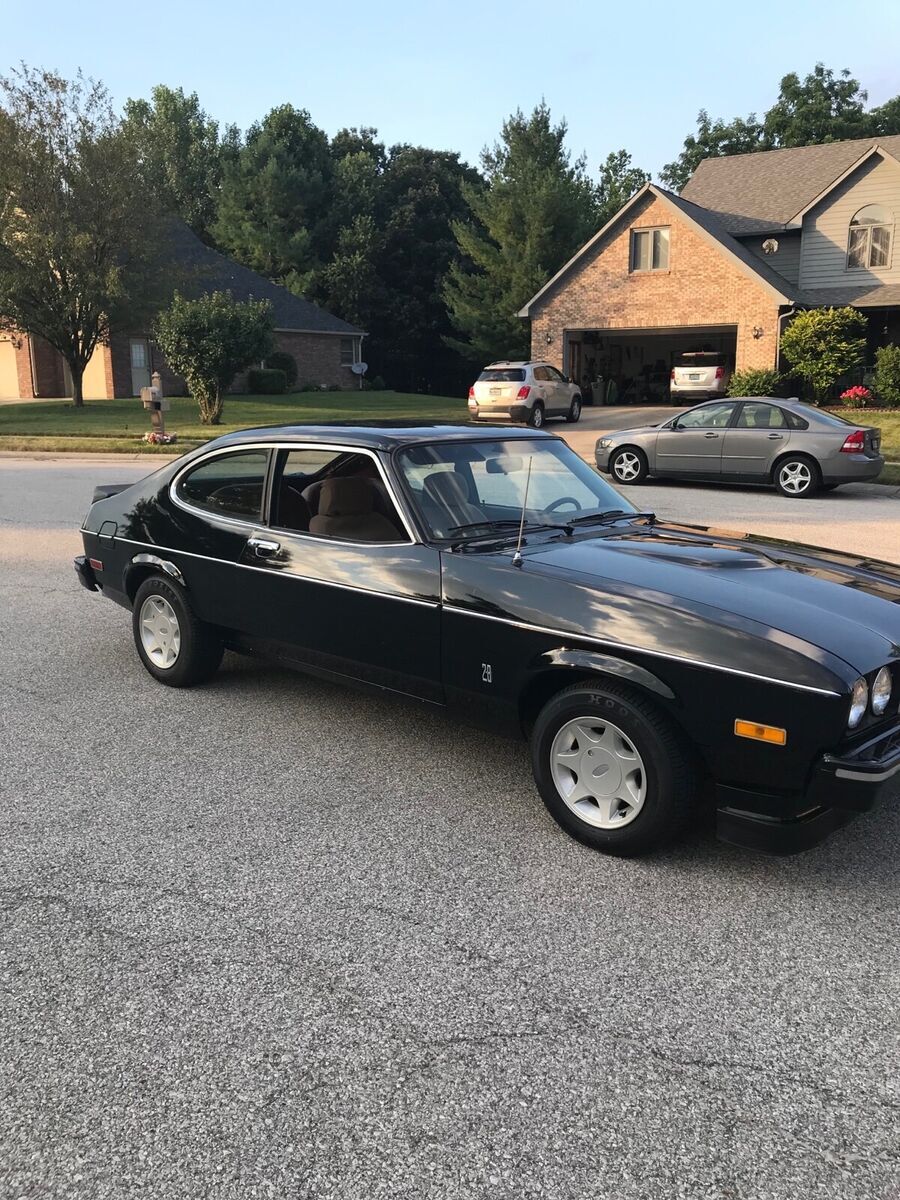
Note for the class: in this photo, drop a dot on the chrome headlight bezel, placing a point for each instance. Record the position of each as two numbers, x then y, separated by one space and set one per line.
859 703
880 696
605 443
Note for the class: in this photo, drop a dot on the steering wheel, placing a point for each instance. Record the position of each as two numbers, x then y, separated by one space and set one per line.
555 504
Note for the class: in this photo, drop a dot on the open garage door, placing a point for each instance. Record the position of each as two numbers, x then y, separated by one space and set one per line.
634 366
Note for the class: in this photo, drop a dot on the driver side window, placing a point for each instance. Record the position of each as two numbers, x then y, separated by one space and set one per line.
708 416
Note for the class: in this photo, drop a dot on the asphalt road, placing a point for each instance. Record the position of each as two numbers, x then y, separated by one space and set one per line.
270 938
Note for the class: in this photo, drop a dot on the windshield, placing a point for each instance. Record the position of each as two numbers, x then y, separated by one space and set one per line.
464 489
502 375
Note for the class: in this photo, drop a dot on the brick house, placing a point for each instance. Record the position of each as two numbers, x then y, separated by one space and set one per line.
323 346
751 239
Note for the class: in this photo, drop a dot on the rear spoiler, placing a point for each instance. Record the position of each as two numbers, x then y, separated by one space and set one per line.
103 491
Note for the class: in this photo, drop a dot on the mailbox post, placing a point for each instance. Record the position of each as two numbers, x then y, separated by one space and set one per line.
156 403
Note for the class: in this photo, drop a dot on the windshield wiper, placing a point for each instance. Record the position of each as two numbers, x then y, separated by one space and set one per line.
612 514
487 523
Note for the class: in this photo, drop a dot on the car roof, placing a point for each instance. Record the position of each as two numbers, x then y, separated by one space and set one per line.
384 436
518 362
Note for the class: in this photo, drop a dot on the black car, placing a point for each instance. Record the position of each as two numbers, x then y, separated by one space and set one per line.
498 575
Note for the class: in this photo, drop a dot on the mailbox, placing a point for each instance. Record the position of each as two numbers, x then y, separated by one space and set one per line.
153 399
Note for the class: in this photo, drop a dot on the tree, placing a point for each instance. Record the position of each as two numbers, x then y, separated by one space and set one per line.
179 144
275 196
538 207
80 232
822 344
209 340
825 106
619 181
713 139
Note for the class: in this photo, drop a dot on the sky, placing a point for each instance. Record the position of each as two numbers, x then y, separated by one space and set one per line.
446 75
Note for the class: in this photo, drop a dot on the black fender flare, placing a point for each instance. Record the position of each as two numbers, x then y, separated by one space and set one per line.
599 663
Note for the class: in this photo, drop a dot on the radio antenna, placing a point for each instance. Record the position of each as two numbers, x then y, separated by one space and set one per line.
517 557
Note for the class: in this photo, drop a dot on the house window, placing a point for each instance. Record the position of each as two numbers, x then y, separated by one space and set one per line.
347 359
650 249
869 243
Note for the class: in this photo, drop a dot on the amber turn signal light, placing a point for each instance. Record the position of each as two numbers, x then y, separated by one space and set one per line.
761 733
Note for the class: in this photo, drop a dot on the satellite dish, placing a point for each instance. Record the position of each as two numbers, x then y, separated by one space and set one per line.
770 246
359 368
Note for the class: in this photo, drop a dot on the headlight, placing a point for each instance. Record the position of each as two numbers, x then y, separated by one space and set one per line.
859 699
605 443
881 691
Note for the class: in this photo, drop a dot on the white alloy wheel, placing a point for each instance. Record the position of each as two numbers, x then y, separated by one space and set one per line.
795 477
627 466
160 632
537 416
598 772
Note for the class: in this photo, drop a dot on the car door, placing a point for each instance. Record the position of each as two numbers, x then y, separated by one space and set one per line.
692 443
368 609
545 388
561 391
759 434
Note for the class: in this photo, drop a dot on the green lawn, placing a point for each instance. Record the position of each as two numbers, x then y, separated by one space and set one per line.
116 425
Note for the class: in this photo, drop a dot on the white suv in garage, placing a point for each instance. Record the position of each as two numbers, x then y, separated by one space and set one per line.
523 391
699 375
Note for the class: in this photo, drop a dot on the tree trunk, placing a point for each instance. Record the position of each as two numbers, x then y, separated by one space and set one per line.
77 372
211 403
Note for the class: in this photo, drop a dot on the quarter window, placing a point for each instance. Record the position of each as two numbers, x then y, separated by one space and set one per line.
650 249
869 241
230 484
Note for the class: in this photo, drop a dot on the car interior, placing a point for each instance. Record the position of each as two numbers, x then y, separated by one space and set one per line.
346 498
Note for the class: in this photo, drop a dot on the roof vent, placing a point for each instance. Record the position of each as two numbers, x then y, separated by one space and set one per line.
770 246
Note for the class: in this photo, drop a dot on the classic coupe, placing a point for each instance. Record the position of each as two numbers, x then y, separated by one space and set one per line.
652 666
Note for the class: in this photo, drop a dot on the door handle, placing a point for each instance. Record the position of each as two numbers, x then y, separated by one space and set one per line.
711 435
263 548
776 437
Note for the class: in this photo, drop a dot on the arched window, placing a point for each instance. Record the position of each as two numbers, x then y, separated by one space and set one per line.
869 244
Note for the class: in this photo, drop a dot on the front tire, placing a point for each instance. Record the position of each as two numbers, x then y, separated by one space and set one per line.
797 477
628 465
175 647
536 416
611 769
574 413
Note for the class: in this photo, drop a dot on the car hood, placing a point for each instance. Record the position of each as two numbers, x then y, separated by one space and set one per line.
847 606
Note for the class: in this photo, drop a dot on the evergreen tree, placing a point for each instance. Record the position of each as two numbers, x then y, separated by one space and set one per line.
538 207
275 195
619 181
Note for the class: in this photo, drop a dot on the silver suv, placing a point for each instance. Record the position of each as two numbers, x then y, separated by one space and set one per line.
699 375
523 391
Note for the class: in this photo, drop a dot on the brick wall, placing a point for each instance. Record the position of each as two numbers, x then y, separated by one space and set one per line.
318 358
701 287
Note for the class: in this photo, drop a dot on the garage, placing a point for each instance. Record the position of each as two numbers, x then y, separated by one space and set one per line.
633 366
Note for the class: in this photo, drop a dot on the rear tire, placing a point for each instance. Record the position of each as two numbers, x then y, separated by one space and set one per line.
175 647
536 416
612 770
797 476
574 413
628 464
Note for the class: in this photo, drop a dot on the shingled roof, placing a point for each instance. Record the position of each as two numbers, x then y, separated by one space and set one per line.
764 191
205 270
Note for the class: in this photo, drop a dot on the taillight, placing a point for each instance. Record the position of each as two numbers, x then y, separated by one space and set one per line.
854 443
471 393
672 376
524 393
720 372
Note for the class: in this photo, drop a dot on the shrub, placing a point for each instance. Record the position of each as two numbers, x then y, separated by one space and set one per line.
822 344
887 375
264 381
209 340
754 383
377 384
856 397
282 361
309 387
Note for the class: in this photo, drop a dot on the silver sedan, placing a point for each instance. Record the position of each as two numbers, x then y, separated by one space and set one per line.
753 439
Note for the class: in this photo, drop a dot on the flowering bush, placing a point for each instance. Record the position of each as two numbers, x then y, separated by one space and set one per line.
155 438
856 397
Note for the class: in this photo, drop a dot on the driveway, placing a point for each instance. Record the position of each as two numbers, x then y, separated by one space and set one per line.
271 938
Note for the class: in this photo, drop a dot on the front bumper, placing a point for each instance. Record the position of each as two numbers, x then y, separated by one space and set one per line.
601 456
85 573
839 788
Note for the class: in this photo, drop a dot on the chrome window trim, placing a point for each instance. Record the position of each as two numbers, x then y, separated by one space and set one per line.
606 643
347 587
261 522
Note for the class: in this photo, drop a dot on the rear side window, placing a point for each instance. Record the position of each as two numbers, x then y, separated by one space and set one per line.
761 416
502 375
230 484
